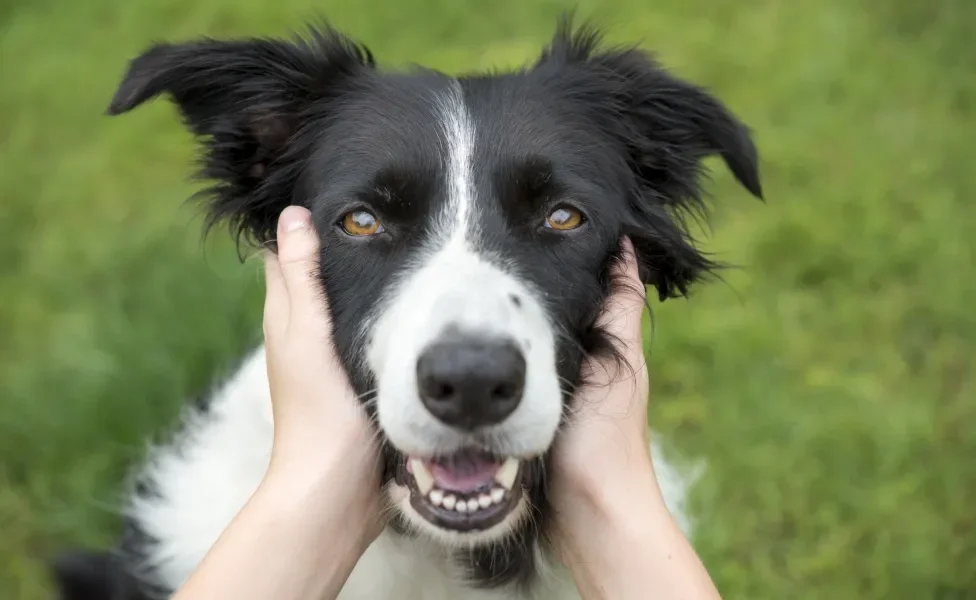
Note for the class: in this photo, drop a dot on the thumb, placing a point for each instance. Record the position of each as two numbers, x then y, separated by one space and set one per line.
624 307
621 319
298 247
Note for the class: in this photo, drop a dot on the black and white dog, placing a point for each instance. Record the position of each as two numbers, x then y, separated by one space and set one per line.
467 228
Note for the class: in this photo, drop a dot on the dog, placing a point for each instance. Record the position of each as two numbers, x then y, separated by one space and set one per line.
468 226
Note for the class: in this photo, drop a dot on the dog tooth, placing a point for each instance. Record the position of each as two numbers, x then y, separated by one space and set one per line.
449 502
497 494
507 472
461 506
484 500
436 497
472 505
425 481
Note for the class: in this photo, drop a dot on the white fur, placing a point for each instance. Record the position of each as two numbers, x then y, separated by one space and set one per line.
454 284
204 477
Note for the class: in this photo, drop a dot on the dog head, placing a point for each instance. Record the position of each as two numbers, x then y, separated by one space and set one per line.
468 225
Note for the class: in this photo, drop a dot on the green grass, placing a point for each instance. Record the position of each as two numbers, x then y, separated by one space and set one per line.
829 381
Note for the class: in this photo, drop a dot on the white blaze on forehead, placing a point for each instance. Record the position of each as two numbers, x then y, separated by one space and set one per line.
459 134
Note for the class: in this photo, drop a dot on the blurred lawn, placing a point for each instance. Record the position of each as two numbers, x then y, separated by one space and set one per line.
829 382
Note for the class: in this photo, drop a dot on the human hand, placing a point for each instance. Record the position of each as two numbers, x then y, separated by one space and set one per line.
323 441
607 435
318 507
603 453
611 525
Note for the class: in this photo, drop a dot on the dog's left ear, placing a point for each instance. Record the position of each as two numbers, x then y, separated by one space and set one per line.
667 127
248 100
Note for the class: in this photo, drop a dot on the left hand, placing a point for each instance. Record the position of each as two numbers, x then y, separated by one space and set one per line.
320 504
320 428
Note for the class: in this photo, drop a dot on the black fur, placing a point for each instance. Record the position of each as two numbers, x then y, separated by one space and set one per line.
314 122
95 576
247 101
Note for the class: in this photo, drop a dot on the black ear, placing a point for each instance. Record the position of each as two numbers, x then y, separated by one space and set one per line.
249 101
667 127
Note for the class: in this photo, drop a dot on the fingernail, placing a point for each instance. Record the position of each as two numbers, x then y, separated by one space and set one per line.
294 218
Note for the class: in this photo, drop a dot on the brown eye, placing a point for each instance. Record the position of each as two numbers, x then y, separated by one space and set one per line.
564 218
361 223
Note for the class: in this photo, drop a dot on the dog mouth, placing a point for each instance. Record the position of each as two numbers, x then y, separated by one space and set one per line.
471 490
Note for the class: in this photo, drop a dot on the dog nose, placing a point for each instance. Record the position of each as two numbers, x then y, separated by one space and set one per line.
469 382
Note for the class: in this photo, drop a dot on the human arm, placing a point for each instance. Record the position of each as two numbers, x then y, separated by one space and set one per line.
613 529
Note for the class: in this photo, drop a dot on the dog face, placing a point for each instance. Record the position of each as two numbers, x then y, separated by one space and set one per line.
467 226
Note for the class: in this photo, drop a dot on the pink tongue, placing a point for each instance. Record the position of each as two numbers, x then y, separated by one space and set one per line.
464 473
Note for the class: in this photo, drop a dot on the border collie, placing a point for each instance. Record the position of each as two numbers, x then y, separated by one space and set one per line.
468 225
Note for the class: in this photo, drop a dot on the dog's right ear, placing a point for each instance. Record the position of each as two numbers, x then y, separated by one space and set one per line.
248 101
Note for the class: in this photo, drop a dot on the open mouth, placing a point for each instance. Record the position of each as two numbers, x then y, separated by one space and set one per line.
471 490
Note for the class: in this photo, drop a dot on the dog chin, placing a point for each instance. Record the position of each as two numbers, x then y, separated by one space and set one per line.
402 499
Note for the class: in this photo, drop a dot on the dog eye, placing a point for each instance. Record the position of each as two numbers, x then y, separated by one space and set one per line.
361 223
564 218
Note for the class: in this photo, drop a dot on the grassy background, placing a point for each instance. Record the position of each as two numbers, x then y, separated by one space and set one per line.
830 381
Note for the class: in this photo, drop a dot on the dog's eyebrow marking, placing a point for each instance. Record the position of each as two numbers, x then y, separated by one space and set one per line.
516 300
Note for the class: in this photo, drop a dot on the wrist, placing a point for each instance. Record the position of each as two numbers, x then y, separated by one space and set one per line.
618 539
326 488
320 501
606 477
308 451
614 505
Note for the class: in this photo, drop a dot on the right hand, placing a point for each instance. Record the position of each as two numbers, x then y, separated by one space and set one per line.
611 525
604 450
607 435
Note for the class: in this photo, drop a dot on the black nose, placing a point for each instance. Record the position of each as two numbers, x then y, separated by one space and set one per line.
469 382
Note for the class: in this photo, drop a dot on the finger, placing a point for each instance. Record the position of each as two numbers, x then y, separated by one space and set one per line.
298 247
621 319
624 307
275 297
